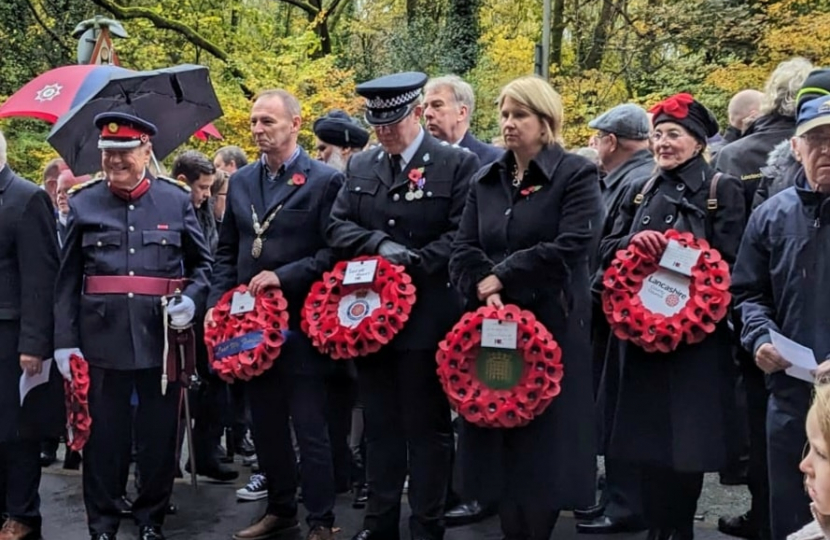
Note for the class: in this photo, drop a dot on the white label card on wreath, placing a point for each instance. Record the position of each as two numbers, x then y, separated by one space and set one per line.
665 292
680 259
242 303
360 272
499 334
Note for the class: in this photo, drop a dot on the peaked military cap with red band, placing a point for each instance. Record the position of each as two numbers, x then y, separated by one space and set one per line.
122 131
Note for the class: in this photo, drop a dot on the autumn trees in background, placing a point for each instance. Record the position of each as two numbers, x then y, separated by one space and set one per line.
602 51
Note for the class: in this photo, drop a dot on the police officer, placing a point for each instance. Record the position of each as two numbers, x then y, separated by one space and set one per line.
131 239
380 212
292 194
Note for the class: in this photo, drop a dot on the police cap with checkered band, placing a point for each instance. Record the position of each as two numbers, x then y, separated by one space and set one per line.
389 99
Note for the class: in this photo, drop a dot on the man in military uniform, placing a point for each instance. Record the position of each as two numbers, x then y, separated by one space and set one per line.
380 211
131 240
292 195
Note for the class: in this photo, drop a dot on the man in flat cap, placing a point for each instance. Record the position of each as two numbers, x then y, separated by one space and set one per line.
623 147
338 137
273 236
403 201
132 240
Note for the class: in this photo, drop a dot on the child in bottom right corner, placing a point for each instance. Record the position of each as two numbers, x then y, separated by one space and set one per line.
816 466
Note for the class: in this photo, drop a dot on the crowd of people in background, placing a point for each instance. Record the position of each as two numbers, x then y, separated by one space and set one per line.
525 221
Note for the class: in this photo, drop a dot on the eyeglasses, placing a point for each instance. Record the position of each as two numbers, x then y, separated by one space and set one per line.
672 136
816 141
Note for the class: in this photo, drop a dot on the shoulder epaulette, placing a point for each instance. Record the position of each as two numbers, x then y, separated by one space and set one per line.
78 187
177 183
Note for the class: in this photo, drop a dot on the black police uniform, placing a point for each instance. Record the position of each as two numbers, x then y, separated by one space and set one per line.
406 412
294 247
123 251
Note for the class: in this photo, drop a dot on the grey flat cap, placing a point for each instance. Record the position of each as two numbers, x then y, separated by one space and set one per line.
627 121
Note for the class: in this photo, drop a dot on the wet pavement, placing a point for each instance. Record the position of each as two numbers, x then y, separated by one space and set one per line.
212 512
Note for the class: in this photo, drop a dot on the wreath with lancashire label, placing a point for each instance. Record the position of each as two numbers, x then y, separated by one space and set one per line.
244 345
495 387
348 321
76 391
658 309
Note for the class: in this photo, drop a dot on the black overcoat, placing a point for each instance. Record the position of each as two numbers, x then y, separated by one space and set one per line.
294 245
539 247
28 267
673 409
372 207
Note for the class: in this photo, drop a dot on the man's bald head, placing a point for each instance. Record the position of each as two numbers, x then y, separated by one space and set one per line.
744 107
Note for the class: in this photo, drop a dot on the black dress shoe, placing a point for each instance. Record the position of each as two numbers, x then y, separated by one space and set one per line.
148 532
742 526
365 534
607 525
47 458
125 507
587 514
467 513
103 536
361 496
214 471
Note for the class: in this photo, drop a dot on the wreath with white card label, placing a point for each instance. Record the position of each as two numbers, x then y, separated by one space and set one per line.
657 304
248 333
500 367
358 307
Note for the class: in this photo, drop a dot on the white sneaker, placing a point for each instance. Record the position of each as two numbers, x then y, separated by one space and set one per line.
254 490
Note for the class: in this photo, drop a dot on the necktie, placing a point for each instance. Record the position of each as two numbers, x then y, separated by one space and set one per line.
395 160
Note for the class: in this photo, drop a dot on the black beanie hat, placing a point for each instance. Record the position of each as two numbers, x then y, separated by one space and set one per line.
340 129
685 110
817 84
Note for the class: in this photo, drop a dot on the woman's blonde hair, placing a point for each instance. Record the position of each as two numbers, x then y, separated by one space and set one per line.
537 95
821 409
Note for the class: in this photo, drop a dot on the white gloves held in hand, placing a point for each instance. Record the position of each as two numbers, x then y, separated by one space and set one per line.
181 312
62 359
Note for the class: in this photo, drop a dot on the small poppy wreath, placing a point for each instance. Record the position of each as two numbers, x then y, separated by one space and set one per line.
707 303
78 420
245 345
348 321
538 379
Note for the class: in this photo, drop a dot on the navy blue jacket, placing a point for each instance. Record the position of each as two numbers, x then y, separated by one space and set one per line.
294 245
486 153
782 259
156 235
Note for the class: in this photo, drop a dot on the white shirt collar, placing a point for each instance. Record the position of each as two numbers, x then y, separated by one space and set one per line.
409 152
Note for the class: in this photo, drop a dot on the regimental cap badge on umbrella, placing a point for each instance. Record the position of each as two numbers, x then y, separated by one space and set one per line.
122 131
391 98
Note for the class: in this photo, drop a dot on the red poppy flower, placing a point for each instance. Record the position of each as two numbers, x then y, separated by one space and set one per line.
298 179
79 421
415 175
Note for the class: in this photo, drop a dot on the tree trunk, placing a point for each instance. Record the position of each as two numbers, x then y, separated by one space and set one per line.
607 15
556 31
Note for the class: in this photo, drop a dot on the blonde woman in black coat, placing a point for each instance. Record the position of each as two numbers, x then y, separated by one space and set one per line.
526 235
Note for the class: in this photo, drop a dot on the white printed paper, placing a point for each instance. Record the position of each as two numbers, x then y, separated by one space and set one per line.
499 334
802 358
680 259
242 303
30 382
360 272
665 292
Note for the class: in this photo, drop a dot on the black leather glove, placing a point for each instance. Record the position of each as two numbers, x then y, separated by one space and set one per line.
395 253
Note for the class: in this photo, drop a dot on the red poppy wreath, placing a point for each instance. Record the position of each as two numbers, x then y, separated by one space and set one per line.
495 387
351 320
78 420
245 344
656 308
